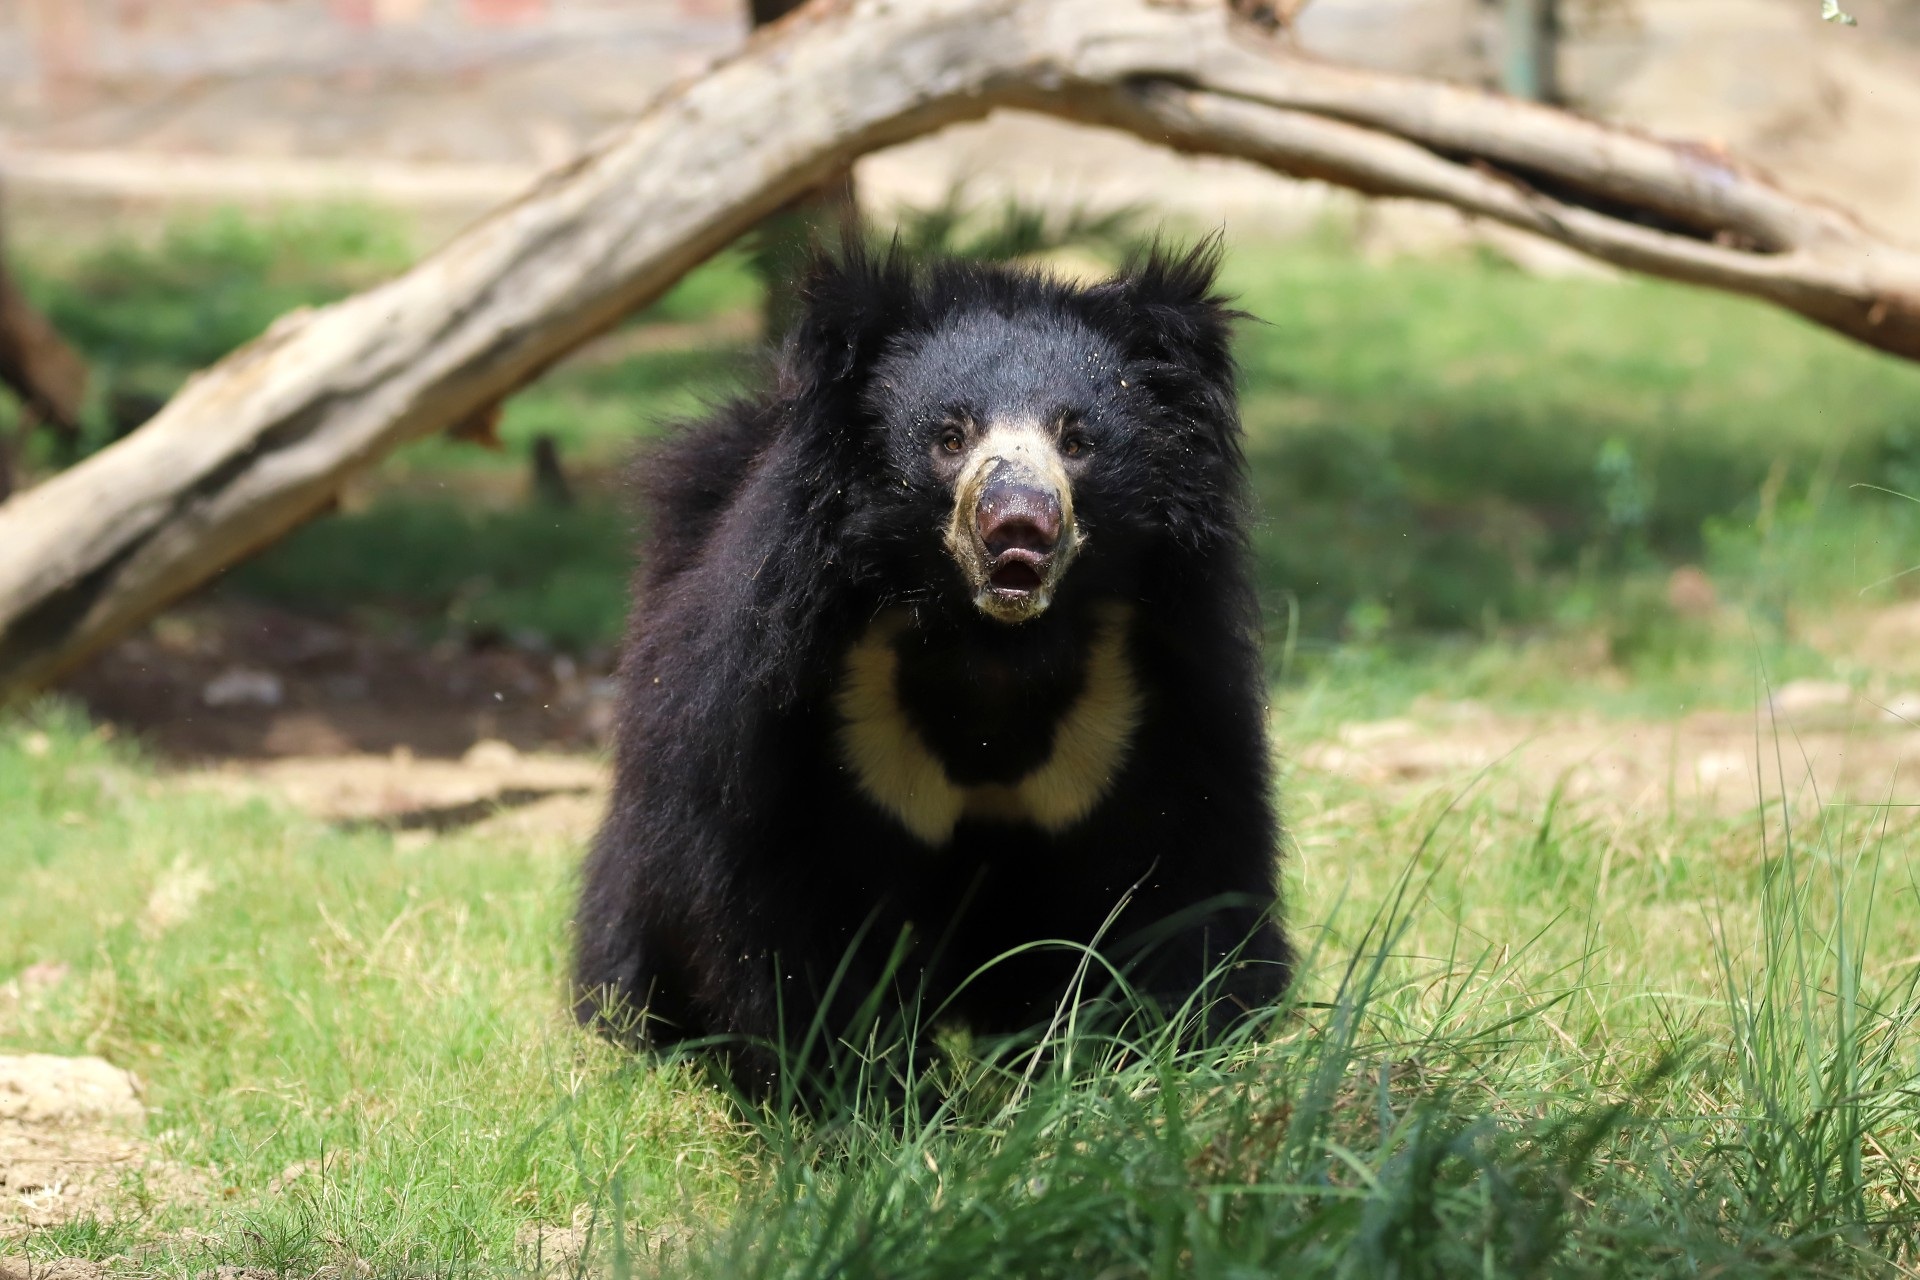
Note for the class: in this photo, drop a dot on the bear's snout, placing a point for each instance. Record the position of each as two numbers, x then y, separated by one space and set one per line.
1019 524
1016 516
1012 530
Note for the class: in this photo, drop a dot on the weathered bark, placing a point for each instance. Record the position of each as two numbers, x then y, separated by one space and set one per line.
265 439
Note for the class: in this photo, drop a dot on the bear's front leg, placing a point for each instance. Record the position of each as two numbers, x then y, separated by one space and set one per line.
807 1005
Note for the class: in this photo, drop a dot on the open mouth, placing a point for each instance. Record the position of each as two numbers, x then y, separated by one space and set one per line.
1017 573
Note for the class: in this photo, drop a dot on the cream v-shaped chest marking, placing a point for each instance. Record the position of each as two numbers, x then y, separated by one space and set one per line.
896 769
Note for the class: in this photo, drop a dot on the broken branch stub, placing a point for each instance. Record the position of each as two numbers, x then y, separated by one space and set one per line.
266 438
35 361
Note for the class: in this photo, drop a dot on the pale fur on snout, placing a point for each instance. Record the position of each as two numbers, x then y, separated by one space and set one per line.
1024 451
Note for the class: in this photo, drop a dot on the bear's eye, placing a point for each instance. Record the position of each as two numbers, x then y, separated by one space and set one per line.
1075 445
951 440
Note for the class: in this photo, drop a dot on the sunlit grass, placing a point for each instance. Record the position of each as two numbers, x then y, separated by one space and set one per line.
1594 1044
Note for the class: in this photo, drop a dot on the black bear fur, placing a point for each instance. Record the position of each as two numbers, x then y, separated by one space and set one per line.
742 866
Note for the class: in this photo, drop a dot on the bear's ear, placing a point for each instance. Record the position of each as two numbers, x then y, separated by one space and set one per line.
852 304
1167 310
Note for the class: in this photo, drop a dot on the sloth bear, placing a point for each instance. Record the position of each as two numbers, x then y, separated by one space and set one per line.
944 647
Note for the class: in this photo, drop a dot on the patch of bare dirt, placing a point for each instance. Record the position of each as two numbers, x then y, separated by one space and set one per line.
55 1269
225 680
357 729
1817 742
545 1250
70 1140
492 786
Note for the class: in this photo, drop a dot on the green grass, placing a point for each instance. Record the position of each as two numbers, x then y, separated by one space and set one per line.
394 1015
1524 1044
1453 444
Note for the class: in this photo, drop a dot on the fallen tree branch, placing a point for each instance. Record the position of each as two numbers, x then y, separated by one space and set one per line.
266 438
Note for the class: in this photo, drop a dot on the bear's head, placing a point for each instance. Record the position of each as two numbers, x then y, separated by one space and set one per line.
1035 436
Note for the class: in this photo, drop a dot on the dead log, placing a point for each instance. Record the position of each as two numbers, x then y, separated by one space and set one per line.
264 439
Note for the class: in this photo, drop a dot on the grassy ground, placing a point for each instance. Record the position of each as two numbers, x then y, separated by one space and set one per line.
1541 1042
1538 1038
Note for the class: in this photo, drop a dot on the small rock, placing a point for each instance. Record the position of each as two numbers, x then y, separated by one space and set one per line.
490 753
39 1088
1903 708
243 687
1797 696
1373 731
346 688
1716 767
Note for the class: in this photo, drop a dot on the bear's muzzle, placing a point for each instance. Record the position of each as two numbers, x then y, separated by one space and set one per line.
1012 531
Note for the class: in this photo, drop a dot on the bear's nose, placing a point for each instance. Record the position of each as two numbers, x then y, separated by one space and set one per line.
1017 516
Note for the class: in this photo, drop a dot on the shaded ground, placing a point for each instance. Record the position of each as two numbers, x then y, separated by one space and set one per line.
361 730
240 682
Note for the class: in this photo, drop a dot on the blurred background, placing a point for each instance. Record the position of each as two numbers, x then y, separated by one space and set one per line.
1485 464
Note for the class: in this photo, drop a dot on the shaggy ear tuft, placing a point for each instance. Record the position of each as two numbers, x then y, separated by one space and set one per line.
852 303
1173 277
1175 314
1166 314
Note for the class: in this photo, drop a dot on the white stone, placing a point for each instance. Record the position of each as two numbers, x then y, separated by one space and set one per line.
490 753
1797 696
40 1088
243 687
